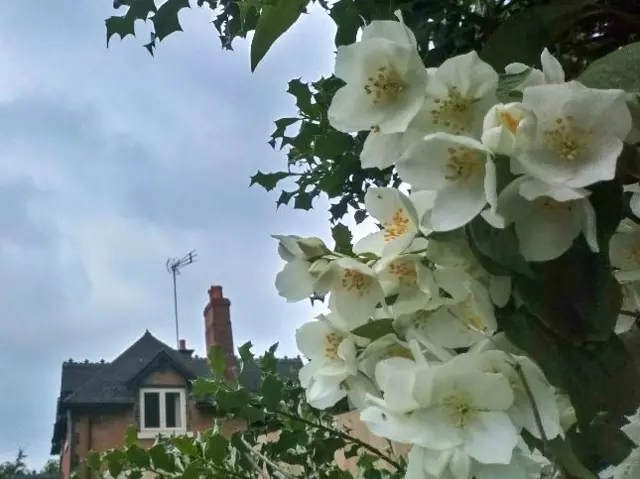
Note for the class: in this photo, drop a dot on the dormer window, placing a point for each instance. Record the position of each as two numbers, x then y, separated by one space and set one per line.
162 411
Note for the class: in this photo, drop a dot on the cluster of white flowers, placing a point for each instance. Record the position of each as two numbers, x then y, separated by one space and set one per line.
438 375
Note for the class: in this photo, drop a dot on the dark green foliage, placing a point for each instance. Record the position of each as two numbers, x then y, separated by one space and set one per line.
307 436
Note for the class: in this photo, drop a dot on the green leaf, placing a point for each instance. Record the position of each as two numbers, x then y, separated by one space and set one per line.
342 237
374 329
507 86
161 459
217 448
332 144
115 460
618 69
268 361
271 392
166 21
347 19
204 387
93 460
245 353
576 296
131 436
281 126
275 19
284 198
303 201
125 25
523 36
251 414
303 96
360 216
185 445
268 180
228 401
500 246
137 456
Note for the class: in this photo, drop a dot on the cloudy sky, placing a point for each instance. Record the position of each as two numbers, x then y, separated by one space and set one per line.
112 161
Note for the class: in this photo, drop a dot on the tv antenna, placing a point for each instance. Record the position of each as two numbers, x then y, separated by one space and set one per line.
174 265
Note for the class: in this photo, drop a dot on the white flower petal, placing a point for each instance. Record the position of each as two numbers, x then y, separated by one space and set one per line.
491 438
381 150
310 338
553 71
295 282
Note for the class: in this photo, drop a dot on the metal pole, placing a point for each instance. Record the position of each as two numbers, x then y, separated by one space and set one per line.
175 307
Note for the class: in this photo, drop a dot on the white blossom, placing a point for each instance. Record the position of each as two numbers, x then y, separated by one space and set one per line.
331 351
509 129
355 290
458 95
296 281
547 218
398 218
460 406
579 136
385 80
459 169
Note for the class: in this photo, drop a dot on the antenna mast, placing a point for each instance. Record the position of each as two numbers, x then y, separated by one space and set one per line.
174 265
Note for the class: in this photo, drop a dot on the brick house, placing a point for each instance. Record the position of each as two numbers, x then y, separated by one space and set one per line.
148 385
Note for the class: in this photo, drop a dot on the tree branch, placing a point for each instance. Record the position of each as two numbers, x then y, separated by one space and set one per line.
346 436
267 461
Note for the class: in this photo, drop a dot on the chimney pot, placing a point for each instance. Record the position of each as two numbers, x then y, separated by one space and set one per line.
182 344
215 292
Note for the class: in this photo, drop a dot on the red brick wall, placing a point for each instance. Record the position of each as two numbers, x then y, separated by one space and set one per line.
65 460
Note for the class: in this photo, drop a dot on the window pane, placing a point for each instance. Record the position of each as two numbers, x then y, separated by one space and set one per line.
152 410
173 412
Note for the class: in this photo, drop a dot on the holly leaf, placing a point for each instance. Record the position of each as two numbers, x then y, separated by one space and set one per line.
332 144
275 19
268 180
137 456
217 448
161 459
284 198
271 391
303 201
303 95
347 19
124 25
166 21
342 237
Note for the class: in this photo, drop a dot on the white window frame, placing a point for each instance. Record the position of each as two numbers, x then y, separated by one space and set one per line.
152 432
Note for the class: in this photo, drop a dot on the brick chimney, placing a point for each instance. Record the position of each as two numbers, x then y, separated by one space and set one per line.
217 327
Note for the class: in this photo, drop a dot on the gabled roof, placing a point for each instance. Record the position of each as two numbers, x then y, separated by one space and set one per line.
109 383
114 383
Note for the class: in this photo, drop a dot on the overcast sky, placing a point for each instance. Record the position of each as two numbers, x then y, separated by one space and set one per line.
112 161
